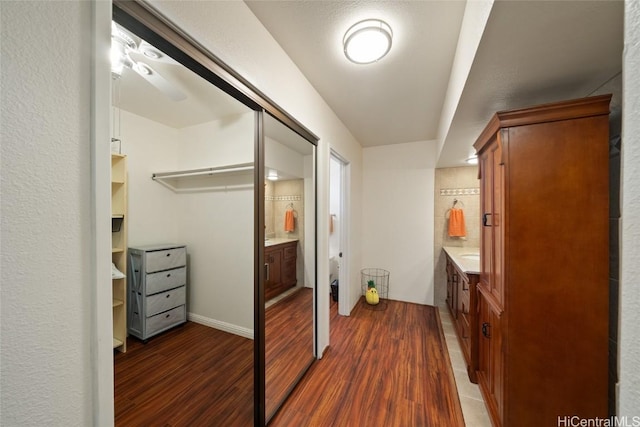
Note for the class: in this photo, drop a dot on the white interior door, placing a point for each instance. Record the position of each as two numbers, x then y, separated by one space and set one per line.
338 235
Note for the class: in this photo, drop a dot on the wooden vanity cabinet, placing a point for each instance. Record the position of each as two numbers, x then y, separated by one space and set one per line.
544 286
452 287
280 268
462 303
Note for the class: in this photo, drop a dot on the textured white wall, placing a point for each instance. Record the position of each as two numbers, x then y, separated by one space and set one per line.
46 375
217 226
283 158
217 143
398 217
629 397
150 147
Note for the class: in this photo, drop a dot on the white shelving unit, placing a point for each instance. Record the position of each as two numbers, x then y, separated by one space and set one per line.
118 248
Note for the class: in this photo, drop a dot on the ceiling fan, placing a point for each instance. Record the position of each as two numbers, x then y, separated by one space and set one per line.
129 51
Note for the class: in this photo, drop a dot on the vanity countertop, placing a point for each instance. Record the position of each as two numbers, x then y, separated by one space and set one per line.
272 241
467 259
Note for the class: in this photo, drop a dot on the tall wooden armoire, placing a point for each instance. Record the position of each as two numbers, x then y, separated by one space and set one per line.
544 283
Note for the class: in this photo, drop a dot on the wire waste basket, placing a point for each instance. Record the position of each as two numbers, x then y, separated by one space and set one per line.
375 288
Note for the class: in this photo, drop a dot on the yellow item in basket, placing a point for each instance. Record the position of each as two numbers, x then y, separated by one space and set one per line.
372 296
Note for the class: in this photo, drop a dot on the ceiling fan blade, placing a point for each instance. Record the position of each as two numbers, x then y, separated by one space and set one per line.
162 84
151 53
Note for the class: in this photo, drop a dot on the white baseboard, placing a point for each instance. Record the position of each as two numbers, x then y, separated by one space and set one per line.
222 326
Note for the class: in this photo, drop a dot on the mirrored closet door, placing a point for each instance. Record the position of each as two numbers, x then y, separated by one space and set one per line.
216 167
289 256
189 150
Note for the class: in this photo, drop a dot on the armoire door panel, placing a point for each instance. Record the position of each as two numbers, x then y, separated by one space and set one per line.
544 288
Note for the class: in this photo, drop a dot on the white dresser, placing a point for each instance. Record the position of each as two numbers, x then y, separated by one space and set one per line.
157 289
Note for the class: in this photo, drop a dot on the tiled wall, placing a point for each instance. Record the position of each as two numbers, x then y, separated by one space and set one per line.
280 196
462 184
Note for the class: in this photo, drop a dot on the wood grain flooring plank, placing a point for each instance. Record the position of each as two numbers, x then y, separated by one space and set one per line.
384 368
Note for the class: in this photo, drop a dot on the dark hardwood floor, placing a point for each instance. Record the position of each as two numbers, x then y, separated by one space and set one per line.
288 345
192 375
384 368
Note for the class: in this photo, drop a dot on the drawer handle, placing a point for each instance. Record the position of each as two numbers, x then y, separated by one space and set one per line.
169 254
168 295
169 275
485 329
167 316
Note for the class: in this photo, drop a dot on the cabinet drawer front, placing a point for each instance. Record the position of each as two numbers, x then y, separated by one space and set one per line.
165 260
165 320
465 305
165 301
165 280
290 252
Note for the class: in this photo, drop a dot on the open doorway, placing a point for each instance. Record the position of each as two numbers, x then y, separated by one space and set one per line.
338 241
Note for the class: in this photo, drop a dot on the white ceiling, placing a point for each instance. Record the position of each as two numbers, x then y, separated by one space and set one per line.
531 52
535 52
397 99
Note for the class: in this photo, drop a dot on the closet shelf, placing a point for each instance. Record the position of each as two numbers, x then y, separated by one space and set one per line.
218 178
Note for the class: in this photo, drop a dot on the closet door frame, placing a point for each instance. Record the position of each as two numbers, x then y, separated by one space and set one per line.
157 30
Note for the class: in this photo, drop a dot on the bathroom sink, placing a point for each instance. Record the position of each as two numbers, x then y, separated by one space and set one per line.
471 256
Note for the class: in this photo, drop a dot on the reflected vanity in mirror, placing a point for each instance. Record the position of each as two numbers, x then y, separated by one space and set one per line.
289 255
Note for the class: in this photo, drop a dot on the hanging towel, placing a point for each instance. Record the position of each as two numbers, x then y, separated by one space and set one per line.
289 221
456 223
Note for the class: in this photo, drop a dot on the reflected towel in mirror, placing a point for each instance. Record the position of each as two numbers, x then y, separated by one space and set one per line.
289 221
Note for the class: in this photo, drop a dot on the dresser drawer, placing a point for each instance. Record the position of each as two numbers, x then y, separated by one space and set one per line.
165 280
166 259
165 320
165 301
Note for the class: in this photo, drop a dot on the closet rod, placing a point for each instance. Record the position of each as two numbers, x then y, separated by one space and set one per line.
199 172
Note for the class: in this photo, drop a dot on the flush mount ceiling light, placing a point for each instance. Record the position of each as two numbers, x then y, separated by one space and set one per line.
273 175
472 160
367 41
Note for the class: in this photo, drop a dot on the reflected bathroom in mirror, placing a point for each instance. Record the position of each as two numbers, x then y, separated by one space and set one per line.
289 260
